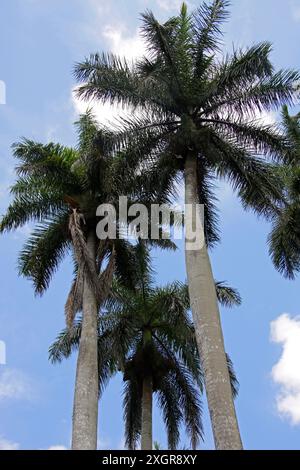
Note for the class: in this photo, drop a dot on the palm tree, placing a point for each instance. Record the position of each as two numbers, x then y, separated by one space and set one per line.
284 239
148 335
60 189
199 110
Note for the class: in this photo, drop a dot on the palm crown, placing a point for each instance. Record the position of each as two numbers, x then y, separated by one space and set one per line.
148 332
188 99
60 188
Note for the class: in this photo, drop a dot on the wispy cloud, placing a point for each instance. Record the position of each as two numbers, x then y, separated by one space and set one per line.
15 385
8 445
285 330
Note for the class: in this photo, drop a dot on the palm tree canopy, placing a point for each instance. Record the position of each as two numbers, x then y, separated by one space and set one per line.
148 332
187 98
59 189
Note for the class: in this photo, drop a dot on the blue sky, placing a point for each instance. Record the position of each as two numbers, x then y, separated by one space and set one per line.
40 41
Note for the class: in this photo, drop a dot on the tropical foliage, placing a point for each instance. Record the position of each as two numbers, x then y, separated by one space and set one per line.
195 117
197 113
147 332
284 239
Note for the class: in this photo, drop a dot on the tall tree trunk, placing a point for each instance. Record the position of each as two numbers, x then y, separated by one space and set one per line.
146 441
85 410
208 330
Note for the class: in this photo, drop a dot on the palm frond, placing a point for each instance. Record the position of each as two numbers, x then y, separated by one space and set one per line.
227 296
168 402
74 300
233 378
284 241
207 22
44 250
132 406
66 342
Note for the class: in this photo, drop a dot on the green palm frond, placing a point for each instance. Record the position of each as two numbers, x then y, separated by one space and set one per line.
190 404
168 401
242 68
207 22
132 405
227 296
233 378
66 342
44 250
284 241
26 209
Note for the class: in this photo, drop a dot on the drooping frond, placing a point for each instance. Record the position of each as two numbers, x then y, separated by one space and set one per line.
284 241
44 250
252 177
208 198
233 378
66 342
132 406
168 401
291 125
74 300
227 296
241 69
125 270
28 208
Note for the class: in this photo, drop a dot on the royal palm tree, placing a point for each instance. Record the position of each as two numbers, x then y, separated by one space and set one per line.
200 111
284 239
148 335
60 189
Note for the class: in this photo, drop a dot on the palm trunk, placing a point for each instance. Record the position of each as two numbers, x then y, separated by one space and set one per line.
85 410
208 330
146 441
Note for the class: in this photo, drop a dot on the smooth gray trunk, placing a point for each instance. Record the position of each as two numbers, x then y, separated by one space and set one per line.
208 330
85 410
146 436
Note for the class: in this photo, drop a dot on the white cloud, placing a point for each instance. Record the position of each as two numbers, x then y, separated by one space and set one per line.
14 385
8 445
58 447
106 114
169 5
120 42
285 330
